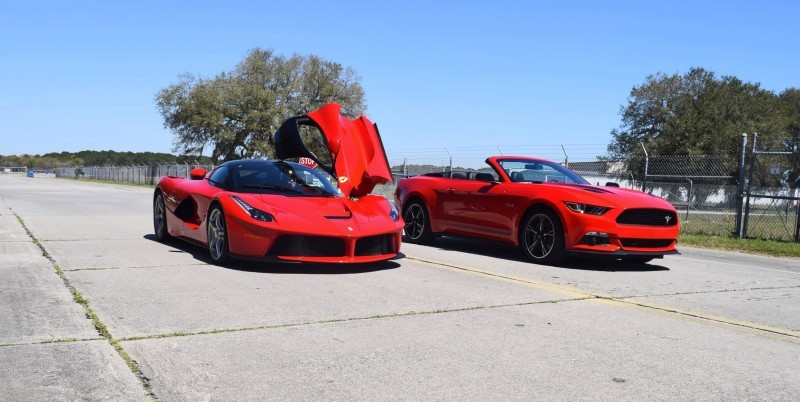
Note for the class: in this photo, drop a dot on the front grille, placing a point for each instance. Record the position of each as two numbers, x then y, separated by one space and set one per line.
308 246
374 245
648 217
646 243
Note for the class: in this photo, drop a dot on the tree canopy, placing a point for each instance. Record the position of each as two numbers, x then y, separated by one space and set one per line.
236 113
699 114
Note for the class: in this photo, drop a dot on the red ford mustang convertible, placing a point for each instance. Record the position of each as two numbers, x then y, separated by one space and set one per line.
281 210
544 208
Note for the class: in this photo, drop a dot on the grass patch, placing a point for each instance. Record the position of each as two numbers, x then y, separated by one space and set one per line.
59 340
752 246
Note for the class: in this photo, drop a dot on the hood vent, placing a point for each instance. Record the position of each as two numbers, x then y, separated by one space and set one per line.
596 190
347 214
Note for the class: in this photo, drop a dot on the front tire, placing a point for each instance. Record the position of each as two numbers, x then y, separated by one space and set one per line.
217 230
418 224
160 218
541 237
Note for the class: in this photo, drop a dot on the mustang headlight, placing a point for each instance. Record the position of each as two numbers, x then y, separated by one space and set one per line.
585 208
394 213
256 214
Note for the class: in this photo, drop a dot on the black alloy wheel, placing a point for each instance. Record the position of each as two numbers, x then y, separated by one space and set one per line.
542 237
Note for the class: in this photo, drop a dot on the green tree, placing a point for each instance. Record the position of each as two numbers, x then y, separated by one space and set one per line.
791 97
698 114
236 113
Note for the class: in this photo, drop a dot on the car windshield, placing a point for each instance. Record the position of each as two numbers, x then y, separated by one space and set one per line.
282 177
539 171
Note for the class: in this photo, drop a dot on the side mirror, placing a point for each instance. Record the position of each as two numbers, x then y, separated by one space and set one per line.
197 174
612 184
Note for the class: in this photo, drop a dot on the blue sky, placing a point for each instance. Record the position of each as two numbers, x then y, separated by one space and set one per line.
83 75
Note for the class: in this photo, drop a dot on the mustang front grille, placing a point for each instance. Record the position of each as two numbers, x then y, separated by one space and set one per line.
648 217
646 243
374 245
308 246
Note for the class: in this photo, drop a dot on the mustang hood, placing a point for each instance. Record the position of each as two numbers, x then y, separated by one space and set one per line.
358 159
615 196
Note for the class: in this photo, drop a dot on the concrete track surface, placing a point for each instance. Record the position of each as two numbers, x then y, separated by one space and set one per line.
93 308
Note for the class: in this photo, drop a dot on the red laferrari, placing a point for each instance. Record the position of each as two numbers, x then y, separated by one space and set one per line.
281 210
544 208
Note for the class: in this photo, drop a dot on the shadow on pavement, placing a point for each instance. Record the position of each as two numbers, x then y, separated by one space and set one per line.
279 267
509 252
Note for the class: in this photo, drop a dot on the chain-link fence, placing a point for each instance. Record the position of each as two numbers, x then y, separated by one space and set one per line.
13 169
703 188
708 191
583 159
771 205
145 175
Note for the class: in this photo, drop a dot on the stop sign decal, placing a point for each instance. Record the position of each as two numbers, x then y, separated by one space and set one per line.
307 162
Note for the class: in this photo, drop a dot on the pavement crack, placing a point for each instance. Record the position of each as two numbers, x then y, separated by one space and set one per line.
703 292
101 328
134 267
342 320
49 341
778 333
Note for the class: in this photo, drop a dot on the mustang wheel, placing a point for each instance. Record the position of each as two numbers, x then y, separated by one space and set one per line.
418 225
160 218
542 237
218 236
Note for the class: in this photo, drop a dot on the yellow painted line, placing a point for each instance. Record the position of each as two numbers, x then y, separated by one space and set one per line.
581 294
554 287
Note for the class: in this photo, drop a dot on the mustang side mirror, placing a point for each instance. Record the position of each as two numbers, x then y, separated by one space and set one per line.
197 174
612 184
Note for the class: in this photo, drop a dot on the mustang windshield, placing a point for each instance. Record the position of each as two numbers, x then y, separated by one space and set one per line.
521 170
281 177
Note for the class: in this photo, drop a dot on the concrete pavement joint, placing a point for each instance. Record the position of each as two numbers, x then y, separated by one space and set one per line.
82 240
48 341
135 267
713 291
773 332
91 315
776 333
340 320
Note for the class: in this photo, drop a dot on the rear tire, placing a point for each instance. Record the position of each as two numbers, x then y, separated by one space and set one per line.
217 231
418 223
541 237
160 218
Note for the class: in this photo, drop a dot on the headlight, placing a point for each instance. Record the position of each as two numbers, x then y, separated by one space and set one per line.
585 208
256 214
394 213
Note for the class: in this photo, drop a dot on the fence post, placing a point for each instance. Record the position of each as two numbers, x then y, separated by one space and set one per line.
740 190
566 157
689 198
646 163
746 218
797 225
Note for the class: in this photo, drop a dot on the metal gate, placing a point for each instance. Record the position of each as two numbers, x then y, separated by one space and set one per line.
771 207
